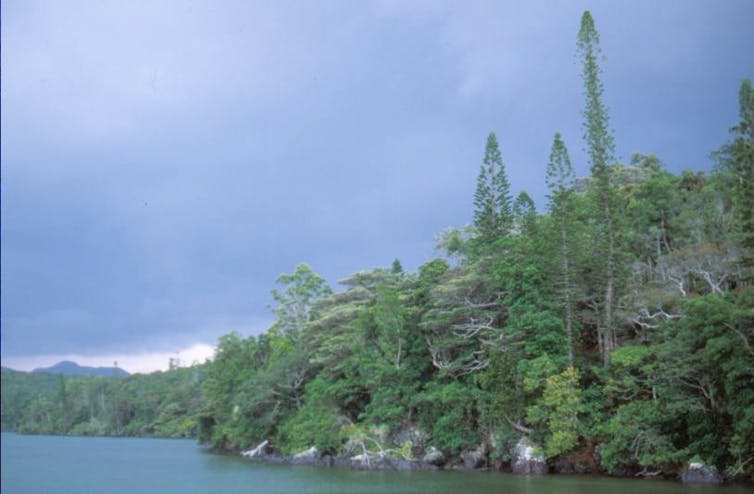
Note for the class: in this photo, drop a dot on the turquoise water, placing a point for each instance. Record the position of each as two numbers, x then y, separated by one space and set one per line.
78 465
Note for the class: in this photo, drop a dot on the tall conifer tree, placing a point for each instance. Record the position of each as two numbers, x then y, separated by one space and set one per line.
559 178
484 203
601 150
736 160
493 214
501 188
525 213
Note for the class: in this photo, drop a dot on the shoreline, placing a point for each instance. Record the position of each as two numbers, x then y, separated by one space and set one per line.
386 463
378 463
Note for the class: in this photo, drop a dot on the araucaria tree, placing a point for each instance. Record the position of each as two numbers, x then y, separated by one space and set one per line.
559 178
736 164
601 150
493 213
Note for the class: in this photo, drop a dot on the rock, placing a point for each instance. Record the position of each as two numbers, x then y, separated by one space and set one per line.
581 461
404 465
362 458
435 457
699 473
306 457
362 461
366 461
597 456
475 459
527 458
414 434
564 465
309 453
256 452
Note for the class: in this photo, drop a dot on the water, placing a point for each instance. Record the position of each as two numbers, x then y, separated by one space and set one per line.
77 465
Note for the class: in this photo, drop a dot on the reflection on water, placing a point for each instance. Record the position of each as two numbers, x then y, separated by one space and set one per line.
44 464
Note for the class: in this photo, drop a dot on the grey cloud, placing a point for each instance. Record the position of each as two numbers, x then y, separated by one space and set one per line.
164 162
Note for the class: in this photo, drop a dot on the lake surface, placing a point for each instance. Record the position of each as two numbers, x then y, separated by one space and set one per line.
79 465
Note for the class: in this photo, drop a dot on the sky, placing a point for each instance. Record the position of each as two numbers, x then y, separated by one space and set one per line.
163 162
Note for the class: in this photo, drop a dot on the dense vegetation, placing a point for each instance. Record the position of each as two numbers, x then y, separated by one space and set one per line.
617 324
162 404
620 318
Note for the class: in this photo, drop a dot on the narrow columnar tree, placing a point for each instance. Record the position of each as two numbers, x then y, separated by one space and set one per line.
559 179
484 203
736 161
492 199
525 213
501 189
601 150
599 139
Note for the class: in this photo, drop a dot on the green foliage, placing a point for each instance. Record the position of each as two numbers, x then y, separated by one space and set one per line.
162 404
562 400
448 413
493 213
707 370
525 214
600 147
302 288
313 425
736 167
562 237
599 139
638 434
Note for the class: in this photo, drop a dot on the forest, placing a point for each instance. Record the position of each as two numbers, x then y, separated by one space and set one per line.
613 328
160 404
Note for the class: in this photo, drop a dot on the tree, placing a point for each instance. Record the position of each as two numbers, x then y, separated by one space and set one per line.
599 139
501 188
463 317
525 214
493 213
600 148
302 288
484 203
559 178
562 402
390 325
396 268
736 163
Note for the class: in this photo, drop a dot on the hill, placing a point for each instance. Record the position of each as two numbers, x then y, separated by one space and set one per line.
68 368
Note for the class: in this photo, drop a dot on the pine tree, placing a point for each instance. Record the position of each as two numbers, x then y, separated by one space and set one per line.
493 214
484 210
559 178
501 187
599 139
525 213
736 160
601 150
396 268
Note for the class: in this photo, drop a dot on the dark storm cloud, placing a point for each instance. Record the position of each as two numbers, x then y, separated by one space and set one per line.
164 162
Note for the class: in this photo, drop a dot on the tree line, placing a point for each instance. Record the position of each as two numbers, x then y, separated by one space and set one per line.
161 404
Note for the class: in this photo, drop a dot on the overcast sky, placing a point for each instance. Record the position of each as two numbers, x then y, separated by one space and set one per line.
164 161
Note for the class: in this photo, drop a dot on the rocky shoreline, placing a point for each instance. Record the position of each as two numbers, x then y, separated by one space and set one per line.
525 459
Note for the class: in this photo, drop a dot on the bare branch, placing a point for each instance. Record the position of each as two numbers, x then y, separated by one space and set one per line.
517 426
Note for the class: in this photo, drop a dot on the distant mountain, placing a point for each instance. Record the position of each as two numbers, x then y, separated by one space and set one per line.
68 368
